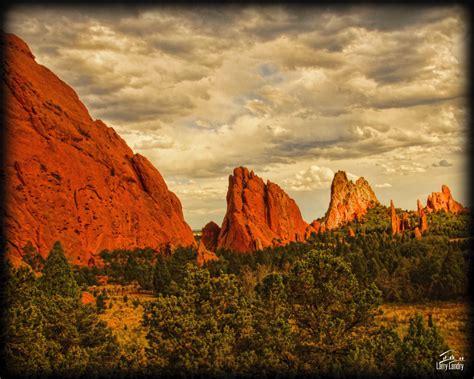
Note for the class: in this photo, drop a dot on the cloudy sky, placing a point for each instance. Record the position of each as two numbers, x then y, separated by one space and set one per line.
293 93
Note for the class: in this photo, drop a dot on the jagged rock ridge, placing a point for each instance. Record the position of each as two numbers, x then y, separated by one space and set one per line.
349 201
258 215
443 200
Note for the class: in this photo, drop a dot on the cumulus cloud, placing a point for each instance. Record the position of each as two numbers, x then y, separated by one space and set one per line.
314 177
201 90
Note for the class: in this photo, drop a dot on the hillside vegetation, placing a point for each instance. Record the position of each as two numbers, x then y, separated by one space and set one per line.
335 304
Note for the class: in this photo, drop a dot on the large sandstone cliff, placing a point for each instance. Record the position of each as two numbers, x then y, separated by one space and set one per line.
349 200
258 215
72 178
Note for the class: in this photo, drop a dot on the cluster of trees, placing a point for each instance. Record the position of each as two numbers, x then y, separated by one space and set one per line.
314 318
404 268
48 330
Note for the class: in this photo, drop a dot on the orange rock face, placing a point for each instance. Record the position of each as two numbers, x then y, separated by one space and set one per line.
349 200
72 178
258 215
423 222
210 235
443 200
394 219
204 255
417 233
351 232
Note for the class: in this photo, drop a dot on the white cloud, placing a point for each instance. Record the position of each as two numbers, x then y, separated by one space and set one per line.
383 185
314 177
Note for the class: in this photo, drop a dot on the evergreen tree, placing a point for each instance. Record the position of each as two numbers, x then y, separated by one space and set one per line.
420 349
330 309
205 328
161 276
58 277
25 346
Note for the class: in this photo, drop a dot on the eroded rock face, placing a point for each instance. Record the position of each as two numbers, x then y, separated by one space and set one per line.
258 215
423 221
210 235
394 219
443 200
349 201
204 255
417 233
72 178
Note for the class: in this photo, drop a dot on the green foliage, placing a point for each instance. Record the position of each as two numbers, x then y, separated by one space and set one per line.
420 349
302 321
86 276
203 329
48 330
161 276
32 257
169 270
58 278
100 303
25 344
128 266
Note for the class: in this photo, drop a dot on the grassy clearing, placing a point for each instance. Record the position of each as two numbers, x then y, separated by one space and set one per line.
451 318
124 312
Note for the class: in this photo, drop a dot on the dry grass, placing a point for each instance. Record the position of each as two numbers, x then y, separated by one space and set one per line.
451 318
124 317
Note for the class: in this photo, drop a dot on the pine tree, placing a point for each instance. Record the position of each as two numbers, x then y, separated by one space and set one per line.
420 349
58 277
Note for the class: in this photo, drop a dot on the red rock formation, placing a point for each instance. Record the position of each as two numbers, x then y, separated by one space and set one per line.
349 200
417 233
395 220
423 224
204 255
210 235
443 200
72 178
316 225
258 215
351 232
